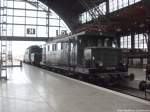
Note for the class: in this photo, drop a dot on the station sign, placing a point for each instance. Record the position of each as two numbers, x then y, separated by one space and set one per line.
31 31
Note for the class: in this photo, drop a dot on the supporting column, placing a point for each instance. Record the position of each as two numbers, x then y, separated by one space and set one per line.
132 41
48 12
107 7
118 41
132 45
148 60
3 45
141 61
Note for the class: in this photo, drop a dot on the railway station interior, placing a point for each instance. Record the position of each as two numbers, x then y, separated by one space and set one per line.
74 55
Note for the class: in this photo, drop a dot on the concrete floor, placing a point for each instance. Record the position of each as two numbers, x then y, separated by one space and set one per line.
31 89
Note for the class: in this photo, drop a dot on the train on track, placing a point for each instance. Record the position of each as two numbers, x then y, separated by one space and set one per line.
86 55
33 55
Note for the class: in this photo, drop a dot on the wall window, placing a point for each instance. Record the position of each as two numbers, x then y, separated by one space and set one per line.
113 6
121 42
24 14
145 41
129 41
140 41
118 4
136 41
86 17
125 41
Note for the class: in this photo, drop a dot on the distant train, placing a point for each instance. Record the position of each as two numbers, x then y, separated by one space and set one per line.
33 55
88 55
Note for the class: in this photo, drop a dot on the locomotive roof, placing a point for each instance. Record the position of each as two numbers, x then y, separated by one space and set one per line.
83 34
33 46
68 37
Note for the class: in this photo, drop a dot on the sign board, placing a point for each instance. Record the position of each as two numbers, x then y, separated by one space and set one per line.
31 31
63 32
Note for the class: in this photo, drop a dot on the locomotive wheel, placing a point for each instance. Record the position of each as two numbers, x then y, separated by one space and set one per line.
142 85
131 76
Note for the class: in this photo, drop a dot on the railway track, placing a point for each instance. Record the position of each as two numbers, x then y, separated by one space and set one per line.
131 91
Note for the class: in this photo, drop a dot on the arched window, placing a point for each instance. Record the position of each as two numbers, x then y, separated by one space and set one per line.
29 18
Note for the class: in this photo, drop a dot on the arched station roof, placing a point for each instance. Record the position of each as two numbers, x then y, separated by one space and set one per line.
130 18
68 10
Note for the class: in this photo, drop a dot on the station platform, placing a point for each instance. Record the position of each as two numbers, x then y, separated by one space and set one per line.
31 89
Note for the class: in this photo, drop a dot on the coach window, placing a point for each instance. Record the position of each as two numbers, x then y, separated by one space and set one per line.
59 46
54 47
48 48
